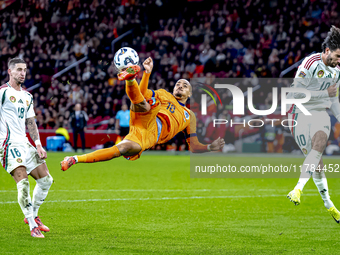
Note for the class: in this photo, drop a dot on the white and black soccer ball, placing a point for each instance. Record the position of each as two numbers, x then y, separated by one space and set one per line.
125 57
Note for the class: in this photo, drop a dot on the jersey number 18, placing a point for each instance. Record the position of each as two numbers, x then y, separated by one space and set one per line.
171 107
21 111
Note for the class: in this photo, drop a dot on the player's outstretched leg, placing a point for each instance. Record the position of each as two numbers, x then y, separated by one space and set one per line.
129 73
335 214
294 196
313 158
125 148
312 161
320 181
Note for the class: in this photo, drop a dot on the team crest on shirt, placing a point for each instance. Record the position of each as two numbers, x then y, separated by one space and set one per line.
304 151
302 74
187 115
321 73
19 160
28 103
12 99
152 101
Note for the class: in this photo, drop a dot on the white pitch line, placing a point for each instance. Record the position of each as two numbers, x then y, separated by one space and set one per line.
153 198
161 190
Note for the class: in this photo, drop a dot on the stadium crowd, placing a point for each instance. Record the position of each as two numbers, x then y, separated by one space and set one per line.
211 39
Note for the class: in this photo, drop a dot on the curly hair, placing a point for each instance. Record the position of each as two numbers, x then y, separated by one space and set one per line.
332 41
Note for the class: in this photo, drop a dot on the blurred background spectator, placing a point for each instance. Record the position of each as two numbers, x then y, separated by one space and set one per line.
78 120
123 121
215 39
62 131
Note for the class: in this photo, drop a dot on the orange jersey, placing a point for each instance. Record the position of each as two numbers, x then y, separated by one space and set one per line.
174 115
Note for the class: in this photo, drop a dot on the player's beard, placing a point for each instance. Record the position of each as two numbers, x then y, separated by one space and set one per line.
178 95
19 81
330 62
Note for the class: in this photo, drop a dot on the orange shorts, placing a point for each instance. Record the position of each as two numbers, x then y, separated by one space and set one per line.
144 129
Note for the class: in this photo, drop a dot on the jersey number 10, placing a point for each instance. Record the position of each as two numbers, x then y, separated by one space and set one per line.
325 86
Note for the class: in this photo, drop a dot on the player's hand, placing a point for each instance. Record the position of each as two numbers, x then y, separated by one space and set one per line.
148 65
217 144
332 90
42 153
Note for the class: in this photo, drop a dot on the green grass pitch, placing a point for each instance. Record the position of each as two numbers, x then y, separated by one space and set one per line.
152 206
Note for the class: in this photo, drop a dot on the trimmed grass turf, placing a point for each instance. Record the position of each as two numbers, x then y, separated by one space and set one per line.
153 206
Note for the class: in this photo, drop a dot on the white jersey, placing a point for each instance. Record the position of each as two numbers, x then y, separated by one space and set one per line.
15 108
315 76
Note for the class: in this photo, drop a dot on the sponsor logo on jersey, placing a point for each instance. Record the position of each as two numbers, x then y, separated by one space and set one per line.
304 151
302 74
187 115
28 103
19 160
12 99
20 101
321 73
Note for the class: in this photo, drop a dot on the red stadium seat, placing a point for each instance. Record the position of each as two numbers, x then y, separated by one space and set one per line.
102 127
90 121
97 120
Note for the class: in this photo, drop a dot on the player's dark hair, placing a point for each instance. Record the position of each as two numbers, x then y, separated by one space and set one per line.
332 41
12 62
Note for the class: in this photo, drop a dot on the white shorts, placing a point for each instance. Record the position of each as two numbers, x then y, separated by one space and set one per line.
16 154
307 126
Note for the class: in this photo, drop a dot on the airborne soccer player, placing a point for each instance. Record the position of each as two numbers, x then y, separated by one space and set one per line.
156 117
320 74
18 156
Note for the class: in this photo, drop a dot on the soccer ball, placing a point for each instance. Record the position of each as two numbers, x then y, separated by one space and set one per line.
125 57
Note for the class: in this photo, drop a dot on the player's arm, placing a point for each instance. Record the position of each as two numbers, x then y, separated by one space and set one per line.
143 86
2 91
33 129
34 134
194 145
335 106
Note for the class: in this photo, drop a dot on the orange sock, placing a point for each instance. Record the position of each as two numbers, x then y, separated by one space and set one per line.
100 155
143 85
133 92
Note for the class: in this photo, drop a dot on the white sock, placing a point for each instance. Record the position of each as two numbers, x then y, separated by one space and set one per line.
313 158
24 200
40 192
31 222
76 158
320 181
